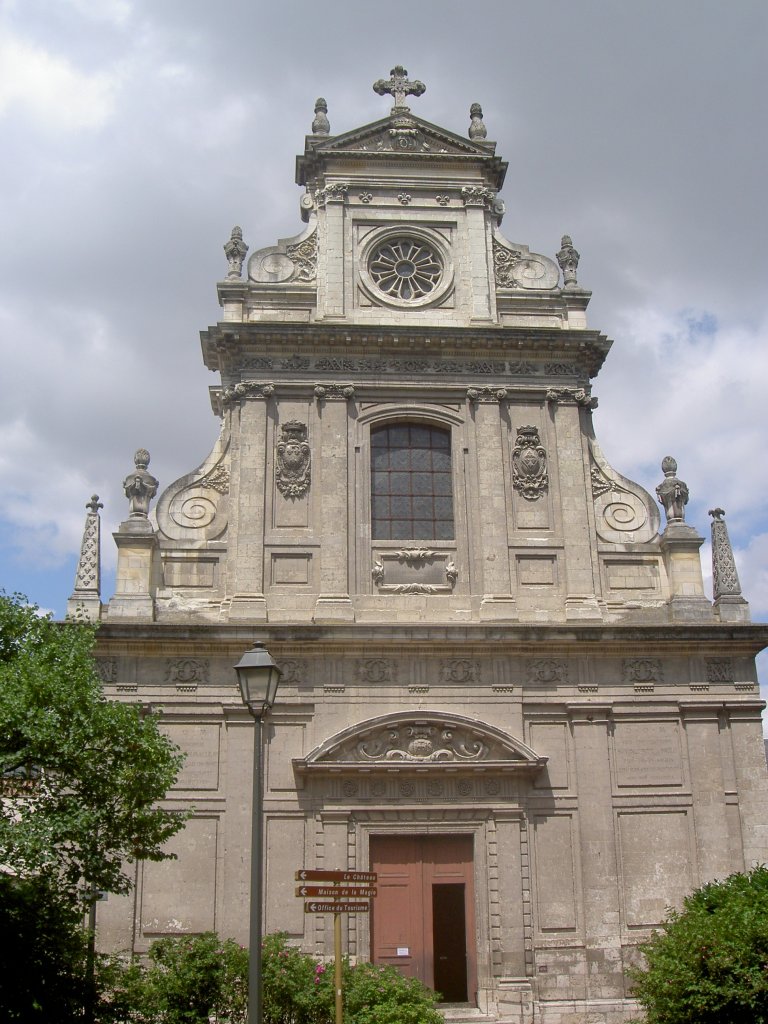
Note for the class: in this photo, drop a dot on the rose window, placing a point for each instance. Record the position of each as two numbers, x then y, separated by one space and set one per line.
405 269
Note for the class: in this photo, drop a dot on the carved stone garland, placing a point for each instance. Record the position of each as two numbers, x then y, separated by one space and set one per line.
293 458
529 464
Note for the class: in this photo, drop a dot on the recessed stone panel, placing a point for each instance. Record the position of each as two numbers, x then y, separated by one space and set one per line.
555 874
632 575
179 896
647 754
537 570
201 745
656 864
290 569
549 739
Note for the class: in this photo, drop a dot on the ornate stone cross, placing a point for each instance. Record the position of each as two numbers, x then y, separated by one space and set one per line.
398 87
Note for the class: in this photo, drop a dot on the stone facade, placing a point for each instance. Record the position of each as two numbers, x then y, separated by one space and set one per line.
534 676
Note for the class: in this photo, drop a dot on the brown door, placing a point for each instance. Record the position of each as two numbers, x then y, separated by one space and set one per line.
423 916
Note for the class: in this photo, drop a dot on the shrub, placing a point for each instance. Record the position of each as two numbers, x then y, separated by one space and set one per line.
709 963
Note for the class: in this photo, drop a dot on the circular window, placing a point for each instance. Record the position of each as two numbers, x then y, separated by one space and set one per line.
405 269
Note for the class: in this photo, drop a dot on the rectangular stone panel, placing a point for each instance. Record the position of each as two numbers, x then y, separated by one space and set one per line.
555 895
549 739
537 570
286 743
632 575
655 864
291 569
179 896
647 754
201 745
189 572
284 855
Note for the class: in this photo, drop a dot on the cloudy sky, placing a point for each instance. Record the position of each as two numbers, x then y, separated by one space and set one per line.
135 133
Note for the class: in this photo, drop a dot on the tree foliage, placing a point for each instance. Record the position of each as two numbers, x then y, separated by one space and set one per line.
709 964
80 775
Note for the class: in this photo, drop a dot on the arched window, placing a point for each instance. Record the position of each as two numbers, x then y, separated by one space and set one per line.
411 483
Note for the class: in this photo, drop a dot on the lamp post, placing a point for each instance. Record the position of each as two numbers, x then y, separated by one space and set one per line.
258 677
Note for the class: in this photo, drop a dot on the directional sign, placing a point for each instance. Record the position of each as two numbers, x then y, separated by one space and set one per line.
336 892
336 876
315 907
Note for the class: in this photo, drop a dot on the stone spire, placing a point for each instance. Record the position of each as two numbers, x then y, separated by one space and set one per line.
321 125
726 589
85 601
477 129
398 86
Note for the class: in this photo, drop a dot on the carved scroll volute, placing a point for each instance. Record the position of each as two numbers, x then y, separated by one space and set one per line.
529 464
196 507
293 460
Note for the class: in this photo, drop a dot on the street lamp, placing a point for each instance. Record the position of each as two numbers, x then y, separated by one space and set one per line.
258 677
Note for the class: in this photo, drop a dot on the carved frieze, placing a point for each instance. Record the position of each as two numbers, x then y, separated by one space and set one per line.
529 464
642 671
107 669
547 670
293 460
293 671
376 670
460 670
186 671
720 670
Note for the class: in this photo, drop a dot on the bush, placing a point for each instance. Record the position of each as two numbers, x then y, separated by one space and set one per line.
191 980
709 964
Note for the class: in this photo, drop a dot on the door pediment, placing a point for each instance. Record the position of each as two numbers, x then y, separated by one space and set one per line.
421 741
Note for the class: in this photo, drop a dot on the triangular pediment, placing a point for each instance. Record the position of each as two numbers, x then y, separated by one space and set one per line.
389 134
421 740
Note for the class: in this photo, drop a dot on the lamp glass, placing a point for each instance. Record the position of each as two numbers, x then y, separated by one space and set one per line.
258 677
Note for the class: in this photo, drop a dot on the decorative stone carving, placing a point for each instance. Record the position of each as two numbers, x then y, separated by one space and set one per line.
217 479
720 670
600 483
529 464
335 192
580 396
460 670
477 129
321 125
422 742
140 486
186 671
451 572
197 505
487 394
404 198
235 250
413 588
247 389
293 671
406 787
398 86
725 578
405 268
477 195
338 392
293 459
107 669
414 556
365 197
304 256
642 670
568 259
504 260
377 572
547 670
464 787
672 492
376 670
442 199
560 369
349 787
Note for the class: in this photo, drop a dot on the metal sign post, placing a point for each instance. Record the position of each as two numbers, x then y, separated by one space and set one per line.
340 898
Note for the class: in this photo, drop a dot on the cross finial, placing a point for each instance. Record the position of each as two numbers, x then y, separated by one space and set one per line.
398 87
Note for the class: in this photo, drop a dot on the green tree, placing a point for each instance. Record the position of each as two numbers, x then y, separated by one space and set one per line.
709 963
80 775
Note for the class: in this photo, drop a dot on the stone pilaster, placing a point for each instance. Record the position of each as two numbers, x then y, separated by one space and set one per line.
708 790
248 491
331 477
493 515
599 869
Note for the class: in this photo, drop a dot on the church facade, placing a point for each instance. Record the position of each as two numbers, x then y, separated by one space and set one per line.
503 687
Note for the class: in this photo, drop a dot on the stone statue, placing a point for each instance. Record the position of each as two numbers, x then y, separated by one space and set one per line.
235 250
321 125
140 486
672 493
477 129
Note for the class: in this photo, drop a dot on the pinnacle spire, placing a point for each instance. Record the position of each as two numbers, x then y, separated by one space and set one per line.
86 597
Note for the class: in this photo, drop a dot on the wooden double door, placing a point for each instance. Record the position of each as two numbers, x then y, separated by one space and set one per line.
423 916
